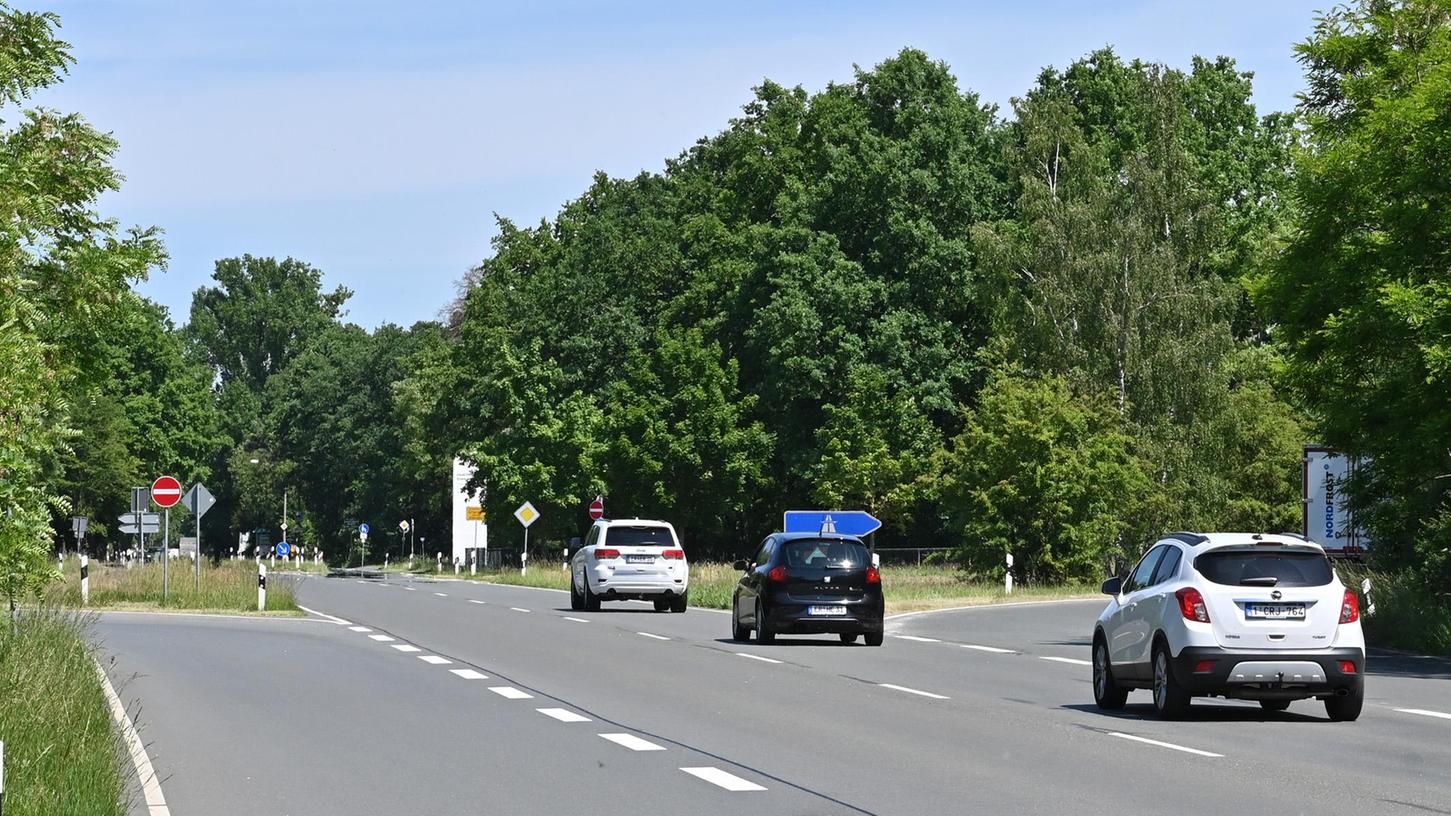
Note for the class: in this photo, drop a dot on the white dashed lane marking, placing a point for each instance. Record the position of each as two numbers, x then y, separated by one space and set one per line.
716 776
360 629
380 638
1171 746
511 693
334 618
914 691
435 660
1424 713
404 647
918 639
993 649
633 742
517 609
471 600
757 657
562 714
469 674
1071 660
441 594
576 620
411 589
648 635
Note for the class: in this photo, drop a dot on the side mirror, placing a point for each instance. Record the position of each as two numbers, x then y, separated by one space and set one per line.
1113 586
741 565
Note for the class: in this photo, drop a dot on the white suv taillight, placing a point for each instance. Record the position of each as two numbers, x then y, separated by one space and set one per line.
1191 605
1350 607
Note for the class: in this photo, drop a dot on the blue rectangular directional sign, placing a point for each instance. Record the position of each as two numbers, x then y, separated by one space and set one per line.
845 522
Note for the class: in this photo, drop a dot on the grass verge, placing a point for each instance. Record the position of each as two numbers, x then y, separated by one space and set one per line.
906 588
230 586
62 754
1409 614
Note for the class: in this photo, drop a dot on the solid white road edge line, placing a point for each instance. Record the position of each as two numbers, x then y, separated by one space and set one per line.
1171 746
404 647
716 776
1424 713
511 693
150 785
1072 660
435 660
562 714
469 674
633 742
757 657
576 620
918 639
334 618
914 691
648 635
993 649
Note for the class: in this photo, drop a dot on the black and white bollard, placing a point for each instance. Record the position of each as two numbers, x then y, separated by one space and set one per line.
85 580
261 586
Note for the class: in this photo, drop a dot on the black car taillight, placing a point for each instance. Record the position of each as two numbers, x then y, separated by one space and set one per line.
777 575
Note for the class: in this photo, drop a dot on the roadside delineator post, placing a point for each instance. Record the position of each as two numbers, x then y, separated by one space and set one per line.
2 776
85 580
456 566
438 562
1008 577
261 586
473 564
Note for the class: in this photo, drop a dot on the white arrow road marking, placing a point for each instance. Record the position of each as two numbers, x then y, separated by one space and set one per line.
511 693
716 776
435 660
1424 713
380 638
648 635
757 657
1071 660
993 649
360 629
469 674
1171 746
562 714
633 742
150 785
914 691
404 647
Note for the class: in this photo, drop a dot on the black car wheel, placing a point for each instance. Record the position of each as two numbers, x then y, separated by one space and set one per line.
738 632
1347 708
1171 701
848 637
763 625
576 603
662 604
1107 694
1274 705
680 602
873 638
591 600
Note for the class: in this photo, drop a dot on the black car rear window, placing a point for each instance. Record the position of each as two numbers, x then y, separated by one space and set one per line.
639 537
1256 567
826 553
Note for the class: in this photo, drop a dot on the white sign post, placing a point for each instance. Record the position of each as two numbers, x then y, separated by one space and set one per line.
1008 577
527 515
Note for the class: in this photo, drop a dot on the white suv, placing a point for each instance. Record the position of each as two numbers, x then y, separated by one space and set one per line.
631 559
1243 615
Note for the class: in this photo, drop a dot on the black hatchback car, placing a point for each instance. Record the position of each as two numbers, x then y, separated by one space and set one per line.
809 583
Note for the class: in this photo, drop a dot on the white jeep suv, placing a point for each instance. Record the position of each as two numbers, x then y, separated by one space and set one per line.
630 559
1238 615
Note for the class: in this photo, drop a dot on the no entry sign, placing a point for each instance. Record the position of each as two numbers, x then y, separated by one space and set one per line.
166 491
597 508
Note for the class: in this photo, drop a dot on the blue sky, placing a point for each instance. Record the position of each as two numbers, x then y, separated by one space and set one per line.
376 140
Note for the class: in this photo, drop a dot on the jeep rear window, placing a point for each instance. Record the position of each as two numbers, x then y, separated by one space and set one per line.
639 537
1258 567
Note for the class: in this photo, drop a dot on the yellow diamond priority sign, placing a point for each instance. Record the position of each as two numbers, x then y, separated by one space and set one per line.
526 514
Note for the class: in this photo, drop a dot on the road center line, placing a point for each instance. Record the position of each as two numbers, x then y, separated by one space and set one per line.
914 691
150 785
576 620
511 693
648 635
1171 746
411 589
404 647
918 639
360 629
380 638
441 594
562 714
633 742
471 600
716 776
435 660
334 618
1072 660
517 609
993 649
757 657
1424 713
469 674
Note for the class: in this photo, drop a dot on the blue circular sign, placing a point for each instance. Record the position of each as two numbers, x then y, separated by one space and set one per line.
283 548
363 528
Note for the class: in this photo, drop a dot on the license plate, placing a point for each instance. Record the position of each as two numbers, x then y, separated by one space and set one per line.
1275 611
639 559
826 610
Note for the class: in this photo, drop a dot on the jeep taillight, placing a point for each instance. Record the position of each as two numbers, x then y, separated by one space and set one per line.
601 555
669 555
1350 607
1191 605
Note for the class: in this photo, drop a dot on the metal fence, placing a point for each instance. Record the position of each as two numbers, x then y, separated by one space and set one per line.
904 556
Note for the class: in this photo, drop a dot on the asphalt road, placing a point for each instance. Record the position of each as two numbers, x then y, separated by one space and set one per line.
986 710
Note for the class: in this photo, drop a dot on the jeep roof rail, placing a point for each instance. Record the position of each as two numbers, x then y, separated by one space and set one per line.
1189 538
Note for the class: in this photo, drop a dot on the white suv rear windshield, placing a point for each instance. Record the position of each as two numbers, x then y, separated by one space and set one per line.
639 537
1264 568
